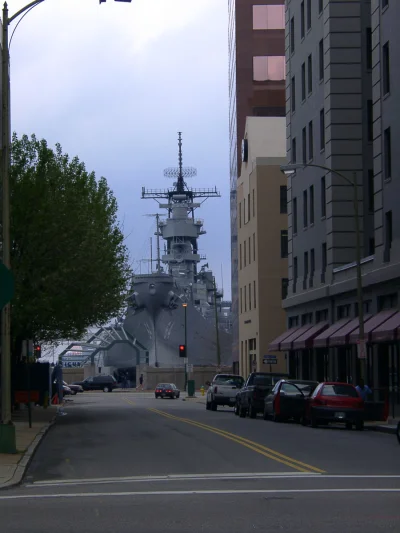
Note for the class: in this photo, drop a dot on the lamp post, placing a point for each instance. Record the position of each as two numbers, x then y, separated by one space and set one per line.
184 305
291 169
7 430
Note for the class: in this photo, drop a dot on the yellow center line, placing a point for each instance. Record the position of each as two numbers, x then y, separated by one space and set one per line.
255 446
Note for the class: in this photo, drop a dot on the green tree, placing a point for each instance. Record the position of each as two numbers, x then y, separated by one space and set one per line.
68 254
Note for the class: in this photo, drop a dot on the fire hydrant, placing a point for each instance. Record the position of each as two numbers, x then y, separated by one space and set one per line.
202 390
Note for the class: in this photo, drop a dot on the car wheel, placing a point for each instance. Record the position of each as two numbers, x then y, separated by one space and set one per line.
349 425
360 425
314 421
156 396
276 418
252 411
242 412
208 406
106 389
265 414
214 406
236 409
178 394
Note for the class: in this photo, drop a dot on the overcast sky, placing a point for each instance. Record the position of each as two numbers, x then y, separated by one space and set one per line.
114 83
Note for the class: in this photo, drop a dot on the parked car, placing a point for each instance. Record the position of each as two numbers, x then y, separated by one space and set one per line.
168 390
67 391
250 399
104 383
74 388
222 390
335 402
288 400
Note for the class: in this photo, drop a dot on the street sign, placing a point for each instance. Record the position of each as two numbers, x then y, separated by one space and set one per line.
6 285
361 349
270 360
190 368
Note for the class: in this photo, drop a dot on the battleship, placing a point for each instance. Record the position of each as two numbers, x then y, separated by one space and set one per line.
180 294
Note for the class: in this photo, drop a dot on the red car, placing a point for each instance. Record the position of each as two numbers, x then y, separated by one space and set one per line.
335 402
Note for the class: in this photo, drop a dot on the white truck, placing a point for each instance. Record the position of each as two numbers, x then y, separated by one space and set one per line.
222 390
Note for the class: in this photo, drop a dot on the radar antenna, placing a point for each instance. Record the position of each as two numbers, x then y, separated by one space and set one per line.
180 172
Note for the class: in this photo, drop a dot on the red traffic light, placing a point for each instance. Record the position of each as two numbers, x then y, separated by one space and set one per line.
182 350
37 351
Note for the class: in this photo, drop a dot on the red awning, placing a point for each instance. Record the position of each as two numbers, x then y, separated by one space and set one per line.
342 336
306 340
388 331
323 340
275 344
287 344
376 321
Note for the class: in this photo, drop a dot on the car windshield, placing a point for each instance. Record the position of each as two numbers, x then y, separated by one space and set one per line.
339 390
236 381
164 385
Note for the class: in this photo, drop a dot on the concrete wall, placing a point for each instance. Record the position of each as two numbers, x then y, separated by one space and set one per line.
73 374
152 376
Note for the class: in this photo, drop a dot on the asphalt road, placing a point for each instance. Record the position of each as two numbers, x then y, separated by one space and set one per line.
125 462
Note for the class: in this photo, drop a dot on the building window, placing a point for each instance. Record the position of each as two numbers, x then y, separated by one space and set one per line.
248 207
284 285
302 20
323 197
306 319
293 94
284 243
320 6
305 209
321 315
324 261
371 246
312 266
309 74
254 203
283 199
294 215
310 141
293 321
304 146
370 123
245 298
322 129
244 254
305 270
269 17
244 210
321 59
312 204
387 301
371 191
249 250
303 82
308 14
255 294
240 256
249 296
292 35
387 141
254 246
294 149
388 235
267 68
386 68
295 271
241 301
343 311
369 47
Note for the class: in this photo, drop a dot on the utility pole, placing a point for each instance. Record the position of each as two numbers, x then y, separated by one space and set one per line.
7 429
216 326
186 359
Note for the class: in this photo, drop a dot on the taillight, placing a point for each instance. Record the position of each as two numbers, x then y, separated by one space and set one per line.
277 404
320 401
215 389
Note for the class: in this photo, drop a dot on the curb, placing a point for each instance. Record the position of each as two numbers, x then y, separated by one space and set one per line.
27 458
384 429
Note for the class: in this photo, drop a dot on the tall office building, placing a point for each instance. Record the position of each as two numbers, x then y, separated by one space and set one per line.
256 88
342 113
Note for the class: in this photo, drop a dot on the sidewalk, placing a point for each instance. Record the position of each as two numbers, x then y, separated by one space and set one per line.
13 466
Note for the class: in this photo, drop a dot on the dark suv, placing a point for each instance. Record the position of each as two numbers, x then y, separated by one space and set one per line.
104 383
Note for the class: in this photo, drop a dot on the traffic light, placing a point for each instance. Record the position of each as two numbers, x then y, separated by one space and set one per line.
182 350
37 351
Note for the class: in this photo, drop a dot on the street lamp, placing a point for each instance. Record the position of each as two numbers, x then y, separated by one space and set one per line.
291 169
7 430
184 305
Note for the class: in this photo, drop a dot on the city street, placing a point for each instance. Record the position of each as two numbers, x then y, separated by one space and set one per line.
125 462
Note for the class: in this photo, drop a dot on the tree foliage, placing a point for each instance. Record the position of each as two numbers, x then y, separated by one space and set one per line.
68 254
